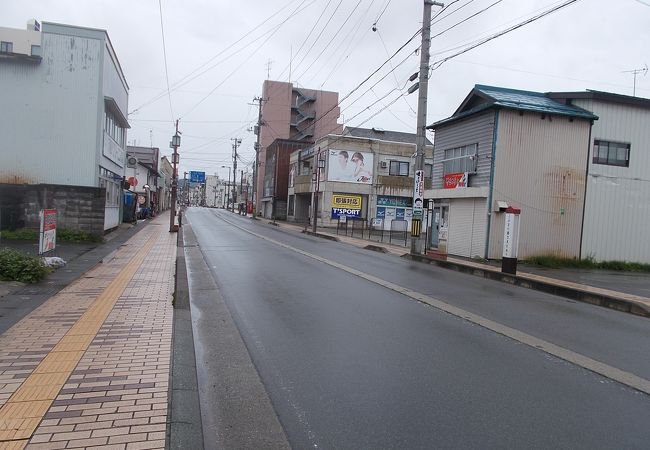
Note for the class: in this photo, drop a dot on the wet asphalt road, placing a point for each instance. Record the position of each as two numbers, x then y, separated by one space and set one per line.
350 364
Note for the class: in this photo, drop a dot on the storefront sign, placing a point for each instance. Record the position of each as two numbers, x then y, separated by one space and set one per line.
348 205
47 237
456 180
387 200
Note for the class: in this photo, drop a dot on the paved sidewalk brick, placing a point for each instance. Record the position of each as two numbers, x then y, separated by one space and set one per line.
89 359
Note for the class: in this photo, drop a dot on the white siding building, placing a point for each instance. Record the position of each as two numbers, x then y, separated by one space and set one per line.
64 108
617 209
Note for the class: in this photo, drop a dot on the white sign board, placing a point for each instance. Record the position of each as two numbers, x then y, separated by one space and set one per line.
348 166
511 235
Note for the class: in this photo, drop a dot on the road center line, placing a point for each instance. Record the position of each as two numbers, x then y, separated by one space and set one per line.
613 373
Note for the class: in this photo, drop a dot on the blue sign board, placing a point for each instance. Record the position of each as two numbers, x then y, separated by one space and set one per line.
400 213
197 177
349 213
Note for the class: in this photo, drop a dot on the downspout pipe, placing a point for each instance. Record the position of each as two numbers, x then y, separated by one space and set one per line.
584 199
490 194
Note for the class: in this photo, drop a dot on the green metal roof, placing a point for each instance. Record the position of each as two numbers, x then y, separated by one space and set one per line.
494 97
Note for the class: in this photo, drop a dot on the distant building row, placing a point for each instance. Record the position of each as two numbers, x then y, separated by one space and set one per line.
575 163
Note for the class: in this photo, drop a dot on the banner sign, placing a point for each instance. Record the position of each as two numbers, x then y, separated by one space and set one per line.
350 167
47 236
456 180
418 193
197 177
348 205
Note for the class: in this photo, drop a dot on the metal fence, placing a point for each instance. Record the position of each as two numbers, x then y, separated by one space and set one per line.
366 229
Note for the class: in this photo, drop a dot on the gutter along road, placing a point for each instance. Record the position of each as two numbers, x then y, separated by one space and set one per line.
353 355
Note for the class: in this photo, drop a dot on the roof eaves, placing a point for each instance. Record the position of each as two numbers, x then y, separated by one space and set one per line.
463 115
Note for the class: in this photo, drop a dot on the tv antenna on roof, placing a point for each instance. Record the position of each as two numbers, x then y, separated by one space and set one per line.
635 72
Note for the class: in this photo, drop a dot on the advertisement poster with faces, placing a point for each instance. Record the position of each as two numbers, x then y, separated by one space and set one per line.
348 166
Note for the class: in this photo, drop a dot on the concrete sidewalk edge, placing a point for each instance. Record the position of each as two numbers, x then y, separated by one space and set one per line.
582 295
184 425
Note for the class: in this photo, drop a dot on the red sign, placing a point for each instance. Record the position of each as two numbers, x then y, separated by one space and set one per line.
133 181
455 180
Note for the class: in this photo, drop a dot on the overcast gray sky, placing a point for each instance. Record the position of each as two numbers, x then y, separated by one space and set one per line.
587 45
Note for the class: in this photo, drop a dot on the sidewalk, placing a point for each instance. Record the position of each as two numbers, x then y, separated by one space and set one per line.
90 366
552 281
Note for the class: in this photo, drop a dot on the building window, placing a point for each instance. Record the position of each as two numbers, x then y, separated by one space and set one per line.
611 153
399 168
113 129
6 47
291 206
428 171
460 159
36 50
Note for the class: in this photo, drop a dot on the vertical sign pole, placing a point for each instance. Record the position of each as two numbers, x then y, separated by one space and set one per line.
510 241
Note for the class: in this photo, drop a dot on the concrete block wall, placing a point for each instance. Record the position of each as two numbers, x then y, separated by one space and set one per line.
78 208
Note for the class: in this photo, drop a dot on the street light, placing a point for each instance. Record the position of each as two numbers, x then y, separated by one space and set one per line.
225 194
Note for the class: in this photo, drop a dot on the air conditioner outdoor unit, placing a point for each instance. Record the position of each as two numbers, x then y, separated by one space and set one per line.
131 161
383 164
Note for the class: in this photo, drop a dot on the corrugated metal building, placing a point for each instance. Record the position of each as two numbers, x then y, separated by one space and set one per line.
617 209
505 147
63 116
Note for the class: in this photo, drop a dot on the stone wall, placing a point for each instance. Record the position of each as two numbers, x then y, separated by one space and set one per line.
78 207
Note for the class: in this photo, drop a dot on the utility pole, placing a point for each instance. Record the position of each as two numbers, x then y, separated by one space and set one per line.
317 167
186 192
235 144
258 132
417 239
241 184
175 143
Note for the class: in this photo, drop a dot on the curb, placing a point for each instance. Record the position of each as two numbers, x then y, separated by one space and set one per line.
322 235
184 426
581 295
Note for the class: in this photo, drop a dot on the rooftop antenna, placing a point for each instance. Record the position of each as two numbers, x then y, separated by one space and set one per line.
635 72
268 68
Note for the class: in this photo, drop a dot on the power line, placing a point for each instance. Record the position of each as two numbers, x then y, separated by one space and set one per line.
319 34
305 40
349 16
162 31
437 64
394 75
294 13
382 12
184 80
344 55
466 18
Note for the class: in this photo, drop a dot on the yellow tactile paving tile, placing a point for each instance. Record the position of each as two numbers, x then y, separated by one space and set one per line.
52 366
24 410
31 393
